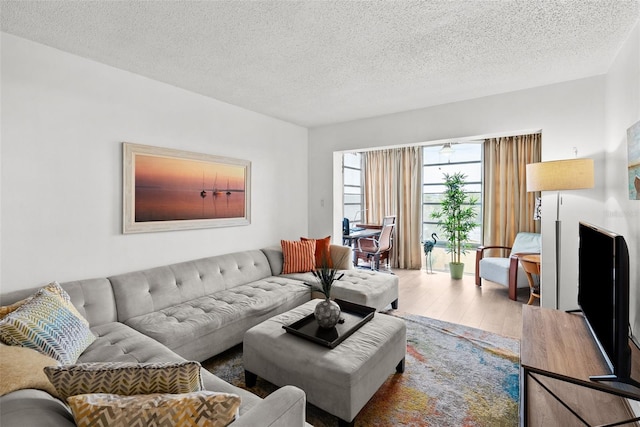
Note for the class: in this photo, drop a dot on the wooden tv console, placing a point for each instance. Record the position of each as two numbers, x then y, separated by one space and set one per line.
557 356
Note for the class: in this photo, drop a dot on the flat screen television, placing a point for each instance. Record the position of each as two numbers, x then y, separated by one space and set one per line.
603 297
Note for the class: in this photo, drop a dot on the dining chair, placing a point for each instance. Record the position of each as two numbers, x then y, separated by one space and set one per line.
376 249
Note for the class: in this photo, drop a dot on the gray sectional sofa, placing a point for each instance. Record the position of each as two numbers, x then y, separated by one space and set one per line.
193 310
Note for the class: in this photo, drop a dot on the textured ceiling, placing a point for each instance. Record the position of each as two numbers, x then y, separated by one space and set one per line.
321 62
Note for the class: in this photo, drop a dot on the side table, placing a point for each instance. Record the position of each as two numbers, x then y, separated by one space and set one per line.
557 357
531 265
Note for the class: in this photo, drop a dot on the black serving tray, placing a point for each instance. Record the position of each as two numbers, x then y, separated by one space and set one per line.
354 315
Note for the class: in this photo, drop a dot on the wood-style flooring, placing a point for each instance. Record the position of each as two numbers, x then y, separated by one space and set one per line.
460 301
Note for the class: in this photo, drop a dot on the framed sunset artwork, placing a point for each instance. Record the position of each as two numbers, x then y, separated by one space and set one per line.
167 189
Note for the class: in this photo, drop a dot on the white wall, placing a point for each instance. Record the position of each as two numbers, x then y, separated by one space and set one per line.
623 110
570 115
63 121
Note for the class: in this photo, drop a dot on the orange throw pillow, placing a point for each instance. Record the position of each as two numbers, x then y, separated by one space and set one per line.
323 253
299 257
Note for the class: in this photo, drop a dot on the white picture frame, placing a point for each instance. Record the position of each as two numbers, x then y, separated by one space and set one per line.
166 189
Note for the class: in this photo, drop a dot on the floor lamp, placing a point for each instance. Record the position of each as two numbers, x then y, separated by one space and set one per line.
573 174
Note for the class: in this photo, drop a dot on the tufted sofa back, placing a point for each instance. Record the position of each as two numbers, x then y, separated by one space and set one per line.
146 291
92 297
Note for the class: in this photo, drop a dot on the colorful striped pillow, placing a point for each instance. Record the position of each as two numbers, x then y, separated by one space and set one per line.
201 408
299 257
45 323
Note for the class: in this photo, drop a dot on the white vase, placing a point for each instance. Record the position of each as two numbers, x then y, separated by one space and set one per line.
327 313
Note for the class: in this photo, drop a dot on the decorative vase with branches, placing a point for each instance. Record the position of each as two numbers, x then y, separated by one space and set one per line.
456 219
327 312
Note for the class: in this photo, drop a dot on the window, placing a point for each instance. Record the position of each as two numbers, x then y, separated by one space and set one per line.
466 158
353 188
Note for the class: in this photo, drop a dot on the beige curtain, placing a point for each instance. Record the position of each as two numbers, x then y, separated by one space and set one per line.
507 207
393 186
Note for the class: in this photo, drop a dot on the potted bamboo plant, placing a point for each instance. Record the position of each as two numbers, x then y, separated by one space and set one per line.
456 219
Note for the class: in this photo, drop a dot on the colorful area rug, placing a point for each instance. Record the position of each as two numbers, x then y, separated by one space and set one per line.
454 376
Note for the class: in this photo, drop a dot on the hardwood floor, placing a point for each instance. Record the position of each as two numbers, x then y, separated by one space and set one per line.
460 301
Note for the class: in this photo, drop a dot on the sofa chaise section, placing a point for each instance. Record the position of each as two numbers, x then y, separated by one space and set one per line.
365 287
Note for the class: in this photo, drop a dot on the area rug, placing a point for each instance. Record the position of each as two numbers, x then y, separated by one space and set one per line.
454 376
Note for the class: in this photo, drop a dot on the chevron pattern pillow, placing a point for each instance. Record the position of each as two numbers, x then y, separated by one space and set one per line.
46 324
203 408
125 378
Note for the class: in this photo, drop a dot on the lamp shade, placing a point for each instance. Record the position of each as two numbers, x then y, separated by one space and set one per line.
573 174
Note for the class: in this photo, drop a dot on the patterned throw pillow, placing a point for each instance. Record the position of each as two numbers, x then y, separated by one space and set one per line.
202 408
53 287
125 378
299 257
46 324
323 252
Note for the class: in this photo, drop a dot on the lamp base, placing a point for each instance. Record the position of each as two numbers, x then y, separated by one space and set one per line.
558 234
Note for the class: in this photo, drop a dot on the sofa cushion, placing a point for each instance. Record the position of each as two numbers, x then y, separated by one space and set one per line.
146 291
125 378
21 368
236 308
298 256
496 269
203 408
117 342
48 324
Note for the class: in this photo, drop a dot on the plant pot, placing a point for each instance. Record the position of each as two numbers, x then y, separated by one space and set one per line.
456 269
327 313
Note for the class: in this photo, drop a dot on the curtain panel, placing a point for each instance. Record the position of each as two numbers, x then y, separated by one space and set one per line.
507 207
393 186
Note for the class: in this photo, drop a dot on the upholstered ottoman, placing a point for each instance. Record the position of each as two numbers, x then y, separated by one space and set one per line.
368 288
340 380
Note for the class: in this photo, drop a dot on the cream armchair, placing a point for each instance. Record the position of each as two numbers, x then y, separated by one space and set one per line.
507 271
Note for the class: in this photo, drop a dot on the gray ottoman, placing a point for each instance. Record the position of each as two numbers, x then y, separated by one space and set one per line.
340 380
368 288
364 287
